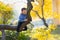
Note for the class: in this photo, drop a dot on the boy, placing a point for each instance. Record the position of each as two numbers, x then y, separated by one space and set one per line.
22 19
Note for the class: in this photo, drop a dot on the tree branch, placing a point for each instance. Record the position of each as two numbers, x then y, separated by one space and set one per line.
43 19
37 14
7 27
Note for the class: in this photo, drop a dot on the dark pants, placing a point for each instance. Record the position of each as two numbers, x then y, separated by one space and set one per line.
19 25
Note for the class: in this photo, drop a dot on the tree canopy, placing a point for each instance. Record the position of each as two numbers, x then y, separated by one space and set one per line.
6 12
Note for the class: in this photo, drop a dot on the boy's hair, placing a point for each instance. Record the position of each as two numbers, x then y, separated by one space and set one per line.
23 9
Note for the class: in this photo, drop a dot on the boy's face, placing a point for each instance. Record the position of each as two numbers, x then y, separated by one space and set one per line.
24 11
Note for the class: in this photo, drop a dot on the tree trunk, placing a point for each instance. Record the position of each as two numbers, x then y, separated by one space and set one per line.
3 31
3 35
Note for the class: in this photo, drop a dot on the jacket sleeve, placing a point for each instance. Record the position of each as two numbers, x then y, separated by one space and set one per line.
21 18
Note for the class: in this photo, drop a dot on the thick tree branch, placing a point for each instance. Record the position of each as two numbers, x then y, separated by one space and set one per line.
7 27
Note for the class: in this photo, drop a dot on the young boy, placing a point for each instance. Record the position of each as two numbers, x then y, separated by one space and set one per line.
22 19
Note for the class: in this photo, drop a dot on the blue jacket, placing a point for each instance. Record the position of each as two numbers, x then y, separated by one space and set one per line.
22 17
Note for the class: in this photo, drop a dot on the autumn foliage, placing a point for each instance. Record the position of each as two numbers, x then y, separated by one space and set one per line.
5 12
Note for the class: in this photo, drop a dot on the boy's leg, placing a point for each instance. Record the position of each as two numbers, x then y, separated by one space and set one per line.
18 27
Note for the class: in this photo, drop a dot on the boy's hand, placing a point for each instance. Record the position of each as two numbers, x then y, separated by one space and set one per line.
25 19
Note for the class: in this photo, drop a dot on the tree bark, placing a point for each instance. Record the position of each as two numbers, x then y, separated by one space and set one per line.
7 27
